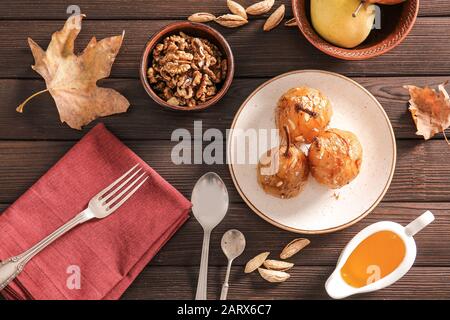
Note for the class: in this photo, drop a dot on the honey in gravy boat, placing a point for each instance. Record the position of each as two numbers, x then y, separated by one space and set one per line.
376 257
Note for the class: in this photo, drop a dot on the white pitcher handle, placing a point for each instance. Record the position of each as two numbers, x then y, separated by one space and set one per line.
421 222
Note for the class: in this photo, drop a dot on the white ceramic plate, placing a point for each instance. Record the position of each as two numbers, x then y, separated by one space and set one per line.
319 209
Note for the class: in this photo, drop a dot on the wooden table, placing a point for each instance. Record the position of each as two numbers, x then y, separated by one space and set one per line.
31 143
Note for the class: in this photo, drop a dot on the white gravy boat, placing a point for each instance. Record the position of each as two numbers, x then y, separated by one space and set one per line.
336 286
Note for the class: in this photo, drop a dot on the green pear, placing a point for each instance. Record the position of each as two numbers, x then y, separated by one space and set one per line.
334 21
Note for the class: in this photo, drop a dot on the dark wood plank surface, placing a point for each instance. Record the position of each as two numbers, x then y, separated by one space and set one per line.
281 50
323 250
306 282
32 142
143 9
420 174
147 121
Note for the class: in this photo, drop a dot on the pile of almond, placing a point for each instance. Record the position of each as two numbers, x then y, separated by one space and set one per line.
239 15
275 270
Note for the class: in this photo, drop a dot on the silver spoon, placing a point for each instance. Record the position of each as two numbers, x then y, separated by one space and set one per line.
209 205
233 244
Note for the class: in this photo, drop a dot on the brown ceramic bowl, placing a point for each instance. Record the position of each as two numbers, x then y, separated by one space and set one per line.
192 29
396 22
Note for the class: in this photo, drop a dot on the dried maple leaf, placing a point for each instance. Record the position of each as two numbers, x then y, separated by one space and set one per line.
72 80
430 110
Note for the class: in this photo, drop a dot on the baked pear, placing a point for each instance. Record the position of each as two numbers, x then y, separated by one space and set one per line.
335 158
305 111
283 171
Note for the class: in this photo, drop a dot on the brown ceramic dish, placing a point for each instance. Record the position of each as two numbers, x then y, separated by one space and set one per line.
192 29
396 21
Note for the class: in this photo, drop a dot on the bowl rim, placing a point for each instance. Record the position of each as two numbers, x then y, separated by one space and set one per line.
355 54
222 44
320 231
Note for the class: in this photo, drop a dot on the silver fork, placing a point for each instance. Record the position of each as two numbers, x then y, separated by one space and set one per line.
100 206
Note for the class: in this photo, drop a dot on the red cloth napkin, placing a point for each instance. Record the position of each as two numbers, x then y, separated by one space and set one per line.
109 253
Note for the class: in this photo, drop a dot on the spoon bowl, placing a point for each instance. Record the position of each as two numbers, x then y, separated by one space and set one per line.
233 244
209 200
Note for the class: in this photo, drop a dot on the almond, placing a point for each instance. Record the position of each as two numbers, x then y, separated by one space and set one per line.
278 265
275 18
231 20
202 17
236 8
273 275
260 7
290 23
256 262
294 247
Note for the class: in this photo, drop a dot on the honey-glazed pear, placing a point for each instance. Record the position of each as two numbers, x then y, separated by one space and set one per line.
335 158
305 111
283 171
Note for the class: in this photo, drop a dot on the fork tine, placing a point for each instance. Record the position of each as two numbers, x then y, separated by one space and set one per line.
121 202
101 193
121 193
116 189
